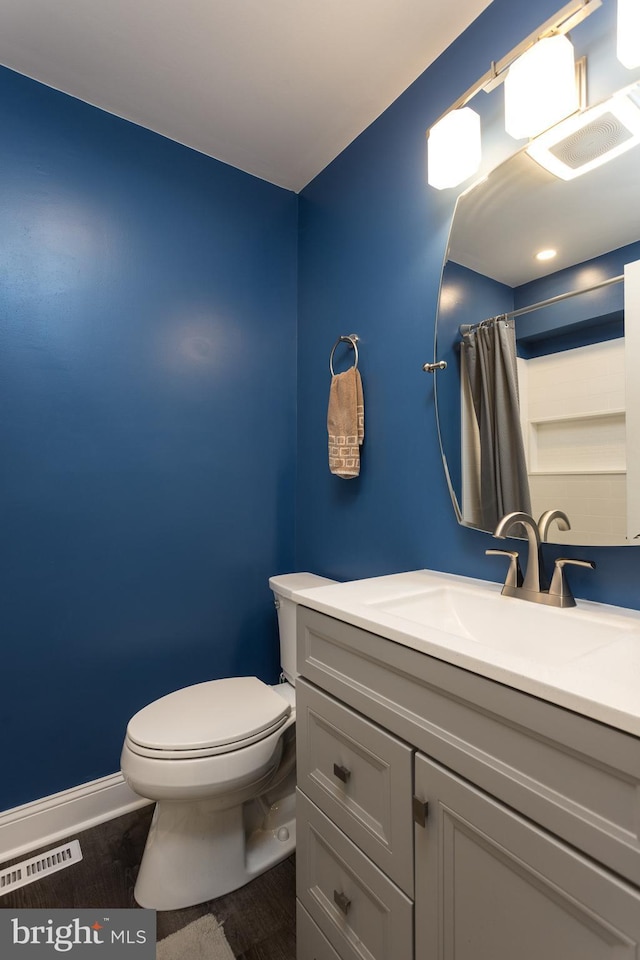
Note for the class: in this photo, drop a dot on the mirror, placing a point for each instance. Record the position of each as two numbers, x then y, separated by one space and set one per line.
576 339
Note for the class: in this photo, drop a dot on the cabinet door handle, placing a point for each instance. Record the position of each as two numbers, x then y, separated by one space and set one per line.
342 773
342 902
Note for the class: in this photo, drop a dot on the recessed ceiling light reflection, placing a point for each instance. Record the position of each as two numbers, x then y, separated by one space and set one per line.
546 254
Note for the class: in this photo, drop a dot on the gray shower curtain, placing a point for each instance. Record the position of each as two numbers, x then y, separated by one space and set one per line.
490 355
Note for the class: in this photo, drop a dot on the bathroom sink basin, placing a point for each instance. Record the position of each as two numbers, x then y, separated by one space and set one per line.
585 658
546 634
458 615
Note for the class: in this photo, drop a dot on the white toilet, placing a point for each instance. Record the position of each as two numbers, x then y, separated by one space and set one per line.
219 759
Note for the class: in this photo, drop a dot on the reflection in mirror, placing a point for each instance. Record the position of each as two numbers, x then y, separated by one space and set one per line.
541 289
495 473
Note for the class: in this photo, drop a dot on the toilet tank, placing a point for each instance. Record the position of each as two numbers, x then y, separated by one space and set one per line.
285 588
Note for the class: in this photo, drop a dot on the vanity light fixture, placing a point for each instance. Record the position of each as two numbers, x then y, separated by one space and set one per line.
628 47
454 145
586 141
453 148
540 88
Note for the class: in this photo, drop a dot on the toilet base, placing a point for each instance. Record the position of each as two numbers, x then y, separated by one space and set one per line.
196 852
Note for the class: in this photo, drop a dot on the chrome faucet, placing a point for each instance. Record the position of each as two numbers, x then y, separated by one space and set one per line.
535 585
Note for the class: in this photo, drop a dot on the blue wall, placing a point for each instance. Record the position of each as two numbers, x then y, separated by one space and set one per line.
147 428
373 237
148 403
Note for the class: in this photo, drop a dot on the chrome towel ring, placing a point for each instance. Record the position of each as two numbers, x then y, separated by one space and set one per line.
352 340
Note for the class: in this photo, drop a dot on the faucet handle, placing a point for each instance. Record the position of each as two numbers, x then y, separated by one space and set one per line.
514 573
559 586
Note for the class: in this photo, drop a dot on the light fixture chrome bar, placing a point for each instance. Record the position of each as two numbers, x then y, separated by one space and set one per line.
564 20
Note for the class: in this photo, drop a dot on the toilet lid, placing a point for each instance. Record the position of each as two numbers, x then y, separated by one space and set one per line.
209 716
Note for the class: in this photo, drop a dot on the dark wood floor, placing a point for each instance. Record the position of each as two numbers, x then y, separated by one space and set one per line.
258 919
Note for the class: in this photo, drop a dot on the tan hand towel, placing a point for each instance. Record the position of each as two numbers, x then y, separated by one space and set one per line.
345 423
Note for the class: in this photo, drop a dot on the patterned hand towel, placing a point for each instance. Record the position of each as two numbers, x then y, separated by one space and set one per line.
345 423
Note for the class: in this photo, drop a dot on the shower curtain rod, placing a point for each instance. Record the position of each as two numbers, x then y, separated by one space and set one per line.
512 314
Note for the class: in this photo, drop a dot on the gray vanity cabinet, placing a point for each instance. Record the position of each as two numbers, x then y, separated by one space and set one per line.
493 886
444 816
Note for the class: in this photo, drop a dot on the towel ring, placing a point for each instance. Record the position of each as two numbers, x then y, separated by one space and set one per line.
352 340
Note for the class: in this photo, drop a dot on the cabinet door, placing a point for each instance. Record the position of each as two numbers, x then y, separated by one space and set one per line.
491 885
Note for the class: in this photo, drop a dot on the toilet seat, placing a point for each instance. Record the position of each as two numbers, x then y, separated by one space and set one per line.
207 719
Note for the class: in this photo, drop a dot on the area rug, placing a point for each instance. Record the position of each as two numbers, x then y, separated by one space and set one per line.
203 939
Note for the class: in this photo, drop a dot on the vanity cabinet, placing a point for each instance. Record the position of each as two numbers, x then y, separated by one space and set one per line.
493 885
445 816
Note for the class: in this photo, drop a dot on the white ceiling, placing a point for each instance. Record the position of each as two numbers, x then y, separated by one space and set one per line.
277 88
520 208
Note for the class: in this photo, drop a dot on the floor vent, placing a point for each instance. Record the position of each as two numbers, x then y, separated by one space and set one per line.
20 874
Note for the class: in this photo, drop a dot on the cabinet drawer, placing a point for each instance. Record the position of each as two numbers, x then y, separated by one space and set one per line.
359 910
360 776
311 943
578 778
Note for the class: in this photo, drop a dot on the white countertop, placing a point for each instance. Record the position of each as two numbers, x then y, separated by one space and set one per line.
537 649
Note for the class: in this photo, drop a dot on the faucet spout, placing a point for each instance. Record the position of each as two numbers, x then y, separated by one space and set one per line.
535 579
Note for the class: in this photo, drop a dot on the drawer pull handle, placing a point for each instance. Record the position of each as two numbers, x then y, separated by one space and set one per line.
342 902
342 773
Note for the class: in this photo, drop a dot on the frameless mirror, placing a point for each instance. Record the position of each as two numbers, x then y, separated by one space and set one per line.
576 318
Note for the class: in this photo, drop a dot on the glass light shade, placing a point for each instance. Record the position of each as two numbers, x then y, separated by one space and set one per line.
628 50
540 88
454 148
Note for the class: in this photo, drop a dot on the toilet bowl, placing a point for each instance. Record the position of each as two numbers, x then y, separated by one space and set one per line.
219 760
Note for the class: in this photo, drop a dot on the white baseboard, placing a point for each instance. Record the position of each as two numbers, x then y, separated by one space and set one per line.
61 815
